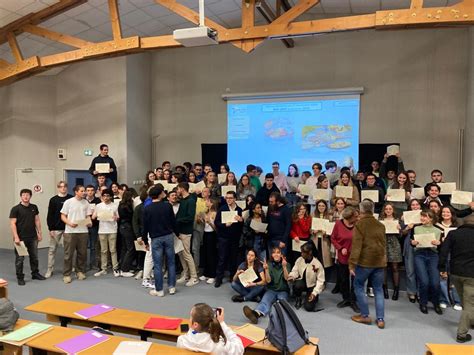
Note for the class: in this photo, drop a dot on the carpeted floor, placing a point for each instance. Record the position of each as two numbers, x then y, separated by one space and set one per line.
407 329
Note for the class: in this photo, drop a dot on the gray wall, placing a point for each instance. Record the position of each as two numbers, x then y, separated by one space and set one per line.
415 89
468 166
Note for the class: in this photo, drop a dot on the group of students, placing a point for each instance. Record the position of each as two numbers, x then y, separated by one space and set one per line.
172 211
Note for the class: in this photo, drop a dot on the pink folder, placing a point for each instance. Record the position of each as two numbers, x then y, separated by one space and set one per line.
82 342
93 311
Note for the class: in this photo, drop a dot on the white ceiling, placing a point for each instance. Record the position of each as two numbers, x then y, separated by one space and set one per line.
90 21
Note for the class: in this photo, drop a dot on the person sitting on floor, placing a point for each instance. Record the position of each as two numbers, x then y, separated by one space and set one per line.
250 291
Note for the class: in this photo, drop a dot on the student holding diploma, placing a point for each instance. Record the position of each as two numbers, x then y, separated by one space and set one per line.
76 214
322 238
107 214
254 239
394 250
249 280
104 158
408 254
342 186
228 237
245 188
400 203
425 241
300 228
371 180
209 242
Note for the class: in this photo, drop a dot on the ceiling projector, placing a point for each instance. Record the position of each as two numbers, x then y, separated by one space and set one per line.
196 36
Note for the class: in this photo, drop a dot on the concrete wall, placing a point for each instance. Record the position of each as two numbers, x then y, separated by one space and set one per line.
415 89
468 161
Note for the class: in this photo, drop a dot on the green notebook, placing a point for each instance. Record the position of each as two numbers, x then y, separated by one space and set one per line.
26 332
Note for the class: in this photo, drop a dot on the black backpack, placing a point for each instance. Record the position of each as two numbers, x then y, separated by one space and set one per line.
285 330
8 315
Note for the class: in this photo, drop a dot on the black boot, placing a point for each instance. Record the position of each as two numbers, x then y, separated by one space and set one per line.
385 292
395 293
299 302
336 289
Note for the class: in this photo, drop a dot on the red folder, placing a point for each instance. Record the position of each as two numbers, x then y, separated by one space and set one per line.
163 323
246 341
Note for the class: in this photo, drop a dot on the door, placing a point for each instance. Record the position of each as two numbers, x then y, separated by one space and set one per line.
41 182
79 177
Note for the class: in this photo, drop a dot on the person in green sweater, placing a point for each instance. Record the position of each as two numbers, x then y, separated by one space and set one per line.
254 180
185 225
426 261
276 277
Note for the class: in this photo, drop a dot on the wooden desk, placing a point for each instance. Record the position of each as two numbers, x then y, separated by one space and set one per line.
4 291
46 342
449 349
131 322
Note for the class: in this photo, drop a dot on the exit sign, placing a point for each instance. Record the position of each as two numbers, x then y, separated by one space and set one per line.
88 152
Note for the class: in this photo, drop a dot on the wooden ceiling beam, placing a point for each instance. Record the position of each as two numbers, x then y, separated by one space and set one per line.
416 4
115 19
248 21
38 17
56 36
16 51
267 13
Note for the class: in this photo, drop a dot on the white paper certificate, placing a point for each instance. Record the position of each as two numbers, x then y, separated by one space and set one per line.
411 217
321 194
229 217
461 197
178 245
221 178
83 222
241 204
396 195
370 194
105 215
265 209
201 185
393 149
192 187
447 188
305 189
102 168
330 227
417 193
296 246
139 247
258 226
344 191
425 240
226 189
391 226
21 249
248 276
319 224
169 187
162 182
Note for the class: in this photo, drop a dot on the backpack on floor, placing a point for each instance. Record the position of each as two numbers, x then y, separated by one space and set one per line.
285 330
8 315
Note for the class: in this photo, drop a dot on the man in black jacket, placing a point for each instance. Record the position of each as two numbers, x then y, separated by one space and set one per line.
103 158
264 193
460 244
279 223
55 224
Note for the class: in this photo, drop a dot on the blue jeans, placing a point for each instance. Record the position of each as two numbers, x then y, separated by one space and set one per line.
249 293
91 243
427 274
260 248
268 299
409 258
160 245
447 292
375 276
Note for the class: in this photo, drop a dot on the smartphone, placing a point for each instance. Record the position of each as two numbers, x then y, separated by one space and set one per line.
217 311
184 328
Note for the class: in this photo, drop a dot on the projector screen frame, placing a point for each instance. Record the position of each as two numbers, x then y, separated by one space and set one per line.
293 94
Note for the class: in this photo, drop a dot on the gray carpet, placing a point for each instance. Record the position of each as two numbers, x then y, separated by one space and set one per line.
407 329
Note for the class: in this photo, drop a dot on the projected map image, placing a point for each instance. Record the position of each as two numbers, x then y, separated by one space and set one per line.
331 136
299 131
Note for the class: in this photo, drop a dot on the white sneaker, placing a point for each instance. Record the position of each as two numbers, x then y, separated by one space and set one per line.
127 274
172 290
457 307
117 273
192 282
139 275
443 305
157 293
202 278
370 292
49 273
181 280
100 273
210 280
165 275
145 282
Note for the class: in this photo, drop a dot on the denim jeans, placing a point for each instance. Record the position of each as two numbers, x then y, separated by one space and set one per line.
249 293
409 258
160 245
375 276
91 244
448 293
260 247
268 299
427 274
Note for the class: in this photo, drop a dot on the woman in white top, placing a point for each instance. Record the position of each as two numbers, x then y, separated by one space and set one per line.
209 333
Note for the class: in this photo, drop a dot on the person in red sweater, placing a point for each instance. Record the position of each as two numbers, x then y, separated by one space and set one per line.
300 228
341 238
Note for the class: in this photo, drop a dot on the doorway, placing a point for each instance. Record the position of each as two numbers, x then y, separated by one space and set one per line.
41 182
78 177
